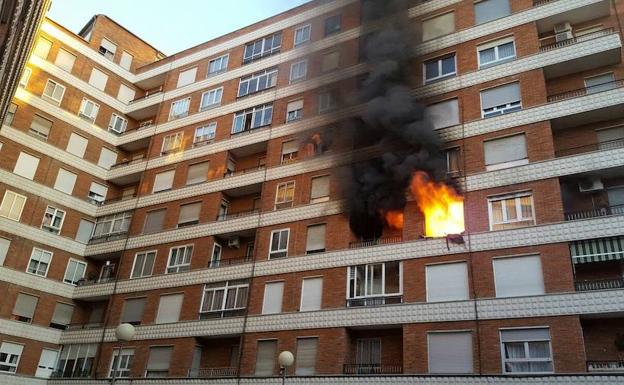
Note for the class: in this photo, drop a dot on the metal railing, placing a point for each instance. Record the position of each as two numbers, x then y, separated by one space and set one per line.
595 213
238 214
148 93
606 86
229 262
127 163
605 366
375 301
375 242
213 372
230 174
371 369
577 39
599 284
597 146
92 325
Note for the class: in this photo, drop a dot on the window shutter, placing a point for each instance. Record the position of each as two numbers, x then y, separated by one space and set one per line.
518 276
163 181
320 187
154 221
85 229
26 165
10 348
108 45
450 352
4 249
62 313
273 293
438 26
125 94
443 114
41 125
65 60
65 181
290 147
98 189
133 310
189 212
487 10
197 173
311 294
169 308
265 358
315 238
521 335
42 48
187 77
98 79
77 145
126 60
498 96
506 149
25 305
330 61
296 105
610 134
447 282
306 356
159 358
107 158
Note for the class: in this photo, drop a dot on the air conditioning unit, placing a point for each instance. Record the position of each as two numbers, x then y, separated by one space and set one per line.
234 243
563 36
562 27
593 184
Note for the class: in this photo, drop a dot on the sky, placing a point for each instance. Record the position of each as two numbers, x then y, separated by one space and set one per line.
171 26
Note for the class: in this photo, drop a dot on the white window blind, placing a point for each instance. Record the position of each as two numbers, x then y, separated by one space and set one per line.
25 306
107 158
169 308
450 352
77 145
65 181
125 94
4 249
505 152
26 165
330 61
315 239
197 173
159 361
294 110
126 60
42 48
163 181
311 294
518 276
98 79
487 10
265 358
62 314
187 77
306 356
443 114
12 205
65 60
97 192
320 189
133 311
109 46
610 138
189 214
447 282
85 229
273 294
154 221
438 26
499 96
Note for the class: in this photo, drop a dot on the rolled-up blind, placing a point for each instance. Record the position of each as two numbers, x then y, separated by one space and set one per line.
25 305
265 358
447 282
189 212
306 356
521 335
290 147
508 93
133 310
450 352
41 125
438 26
62 313
154 221
316 238
311 294
296 105
159 358
518 276
505 149
320 187
99 189
108 45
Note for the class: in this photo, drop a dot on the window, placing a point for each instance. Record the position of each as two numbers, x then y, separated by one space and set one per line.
610 138
117 124
126 60
511 211
279 243
26 165
76 360
450 352
65 181
327 101
62 316
88 110
488 10
122 369
205 134
447 282
501 100
333 24
443 114
53 92
65 60
179 109
315 239
298 71
159 361
440 68
273 298
197 173
97 193
290 151
438 26
368 354
25 77
211 99
302 35
505 152
252 118
133 309
169 308
320 189
518 276
75 271
77 145
125 94
39 262
265 358
47 363
42 48
107 49
24 308
453 161
600 83
215 258
218 65
189 214
224 299
53 220
12 205
294 110
311 294
172 143
10 356
98 79
163 181
330 61
4 249
179 259
85 229
375 284
526 350
112 224
284 195
143 264
262 47
496 52
257 82
187 77
154 221
8 119
306 356
107 158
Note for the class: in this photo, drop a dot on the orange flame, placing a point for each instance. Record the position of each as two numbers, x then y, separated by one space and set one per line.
394 219
442 206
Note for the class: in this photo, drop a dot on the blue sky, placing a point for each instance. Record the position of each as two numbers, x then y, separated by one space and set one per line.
171 26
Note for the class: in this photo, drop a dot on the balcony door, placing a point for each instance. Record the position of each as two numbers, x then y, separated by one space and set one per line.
47 362
368 355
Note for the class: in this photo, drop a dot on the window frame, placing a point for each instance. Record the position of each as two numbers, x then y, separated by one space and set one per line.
23 82
352 270
136 255
302 30
226 287
120 368
337 28
439 60
501 109
526 359
77 262
51 228
270 74
179 267
8 363
211 127
516 196
94 110
251 113
178 137
264 52
221 69
172 108
279 251
217 92
15 195
50 98
113 123
285 203
495 44
47 268
299 64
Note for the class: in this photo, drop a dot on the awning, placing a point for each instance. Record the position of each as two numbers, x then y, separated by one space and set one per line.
597 250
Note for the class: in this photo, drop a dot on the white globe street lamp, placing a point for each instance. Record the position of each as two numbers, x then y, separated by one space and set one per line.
285 359
124 333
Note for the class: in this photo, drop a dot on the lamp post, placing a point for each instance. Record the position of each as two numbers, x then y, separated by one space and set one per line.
124 333
285 359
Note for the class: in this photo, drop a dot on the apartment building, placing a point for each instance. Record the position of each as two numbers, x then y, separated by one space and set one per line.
190 196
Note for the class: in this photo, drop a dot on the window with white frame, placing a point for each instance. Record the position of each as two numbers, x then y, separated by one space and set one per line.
443 114
488 10
25 77
211 99
65 60
76 360
215 258
75 271
39 262
327 101
126 60
98 79
315 238
450 352
518 276
163 181
511 211
77 145
284 195
172 143
440 68
133 309
159 361
62 315
224 299
97 193
311 294
302 35
279 243
496 52
526 350
169 307
65 181
252 118
197 173
24 308
501 100
257 82
509 151
333 24
112 224
154 221
143 264
12 205
179 259
205 134
53 219
218 65
88 110
298 70
375 284
187 77
264 47
47 363
294 110
189 214
118 124
273 297
8 119
179 108
447 282
290 151
53 92
26 165
42 48
107 49
438 26
10 355
123 367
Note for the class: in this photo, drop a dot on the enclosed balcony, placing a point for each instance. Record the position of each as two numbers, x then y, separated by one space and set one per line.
604 343
374 351
216 358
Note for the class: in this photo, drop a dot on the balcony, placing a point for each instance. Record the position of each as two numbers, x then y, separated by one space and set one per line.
605 366
599 284
213 372
595 213
371 369
375 301
375 242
